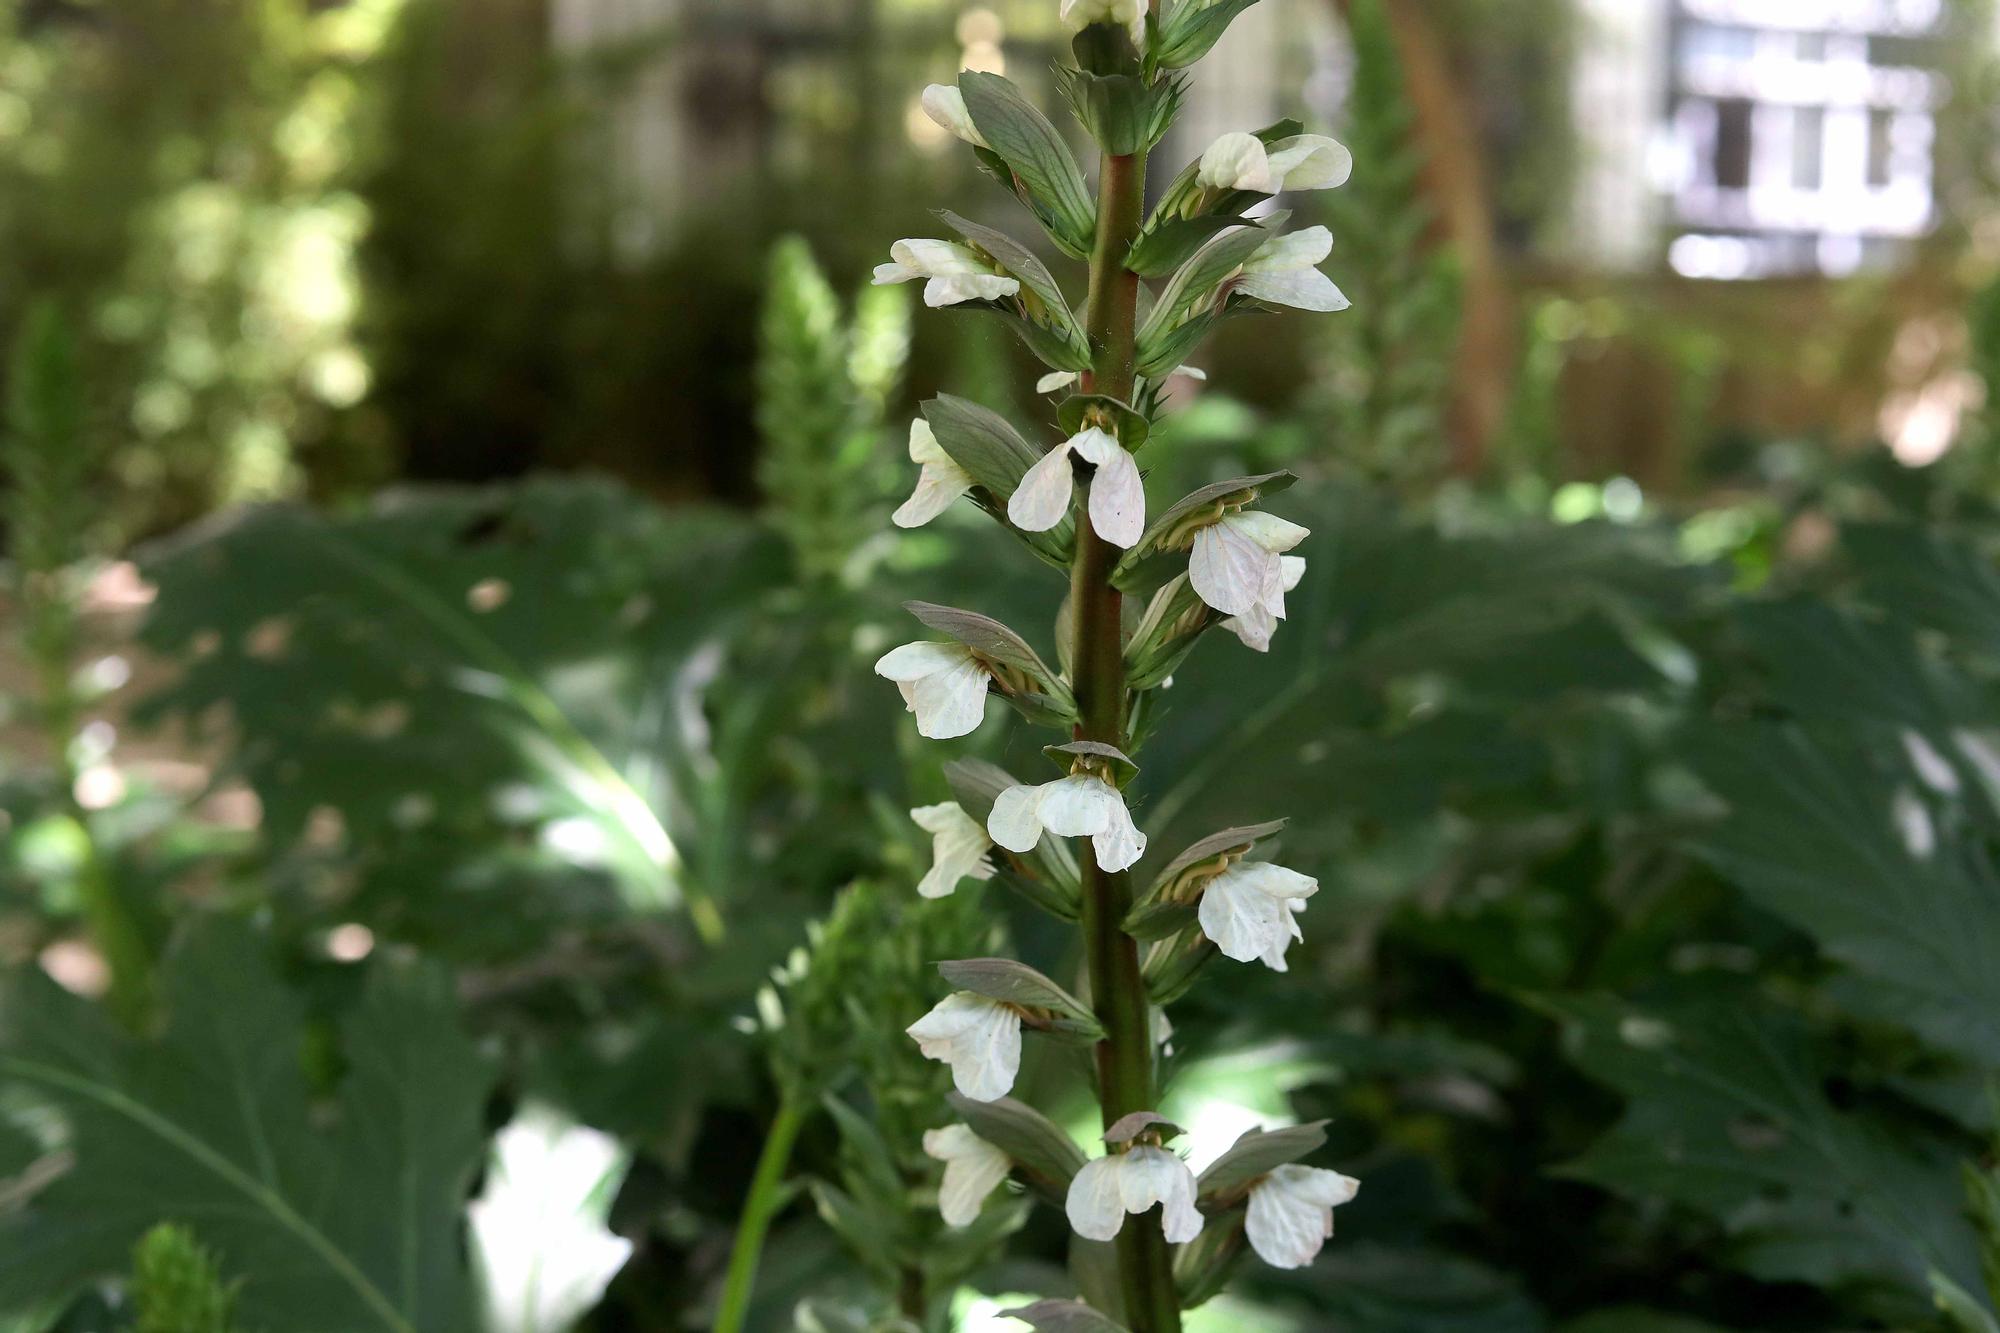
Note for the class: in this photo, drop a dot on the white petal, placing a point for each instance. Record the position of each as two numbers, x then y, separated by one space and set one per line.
924 446
958 288
1254 627
1310 162
951 703
945 105
1291 1213
972 1167
1293 250
1119 846
1242 922
887 275
935 259
1117 493
1042 499
1228 569
1095 1205
1014 823
979 1038
914 661
1272 533
937 487
1077 807
958 848
1273 881
1060 379
1298 289
1149 1175
1237 162
1291 569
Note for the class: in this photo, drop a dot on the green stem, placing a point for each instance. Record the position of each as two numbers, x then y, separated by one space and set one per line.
759 1207
1125 1056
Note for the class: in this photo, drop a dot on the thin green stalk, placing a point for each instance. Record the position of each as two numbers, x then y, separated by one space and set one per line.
759 1207
1118 991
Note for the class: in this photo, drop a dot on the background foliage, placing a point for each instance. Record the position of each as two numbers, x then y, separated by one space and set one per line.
1651 989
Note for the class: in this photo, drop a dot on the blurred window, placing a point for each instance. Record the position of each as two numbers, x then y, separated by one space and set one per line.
1803 130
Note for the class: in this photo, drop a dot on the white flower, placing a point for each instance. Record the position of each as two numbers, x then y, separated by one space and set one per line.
958 848
1131 1182
1248 911
972 1167
945 105
939 483
1236 566
1080 14
1117 495
1291 1213
1284 272
1060 379
1302 162
955 272
539 1244
1256 626
979 1038
1077 806
944 684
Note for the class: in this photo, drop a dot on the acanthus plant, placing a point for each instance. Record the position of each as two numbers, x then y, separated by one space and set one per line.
1216 557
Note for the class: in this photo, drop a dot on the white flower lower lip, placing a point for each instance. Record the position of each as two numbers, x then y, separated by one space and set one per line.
954 273
1249 911
944 684
1117 492
979 1038
939 483
1108 1188
958 848
1285 272
1237 566
1078 806
1291 1213
972 1169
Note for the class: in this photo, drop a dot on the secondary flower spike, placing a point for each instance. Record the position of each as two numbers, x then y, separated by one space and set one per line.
958 848
1078 806
1249 911
945 105
1302 162
972 1168
1256 626
1291 1213
1131 1182
1285 271
979 1038
1117 494
944 684
940 482
954 273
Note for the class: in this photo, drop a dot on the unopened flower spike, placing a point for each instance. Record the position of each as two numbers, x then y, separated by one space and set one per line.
1117 493
952 273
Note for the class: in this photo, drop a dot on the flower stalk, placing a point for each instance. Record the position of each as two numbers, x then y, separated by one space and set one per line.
1079 502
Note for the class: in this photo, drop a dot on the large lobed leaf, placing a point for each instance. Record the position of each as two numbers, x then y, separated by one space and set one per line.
1728 1114
336 1220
